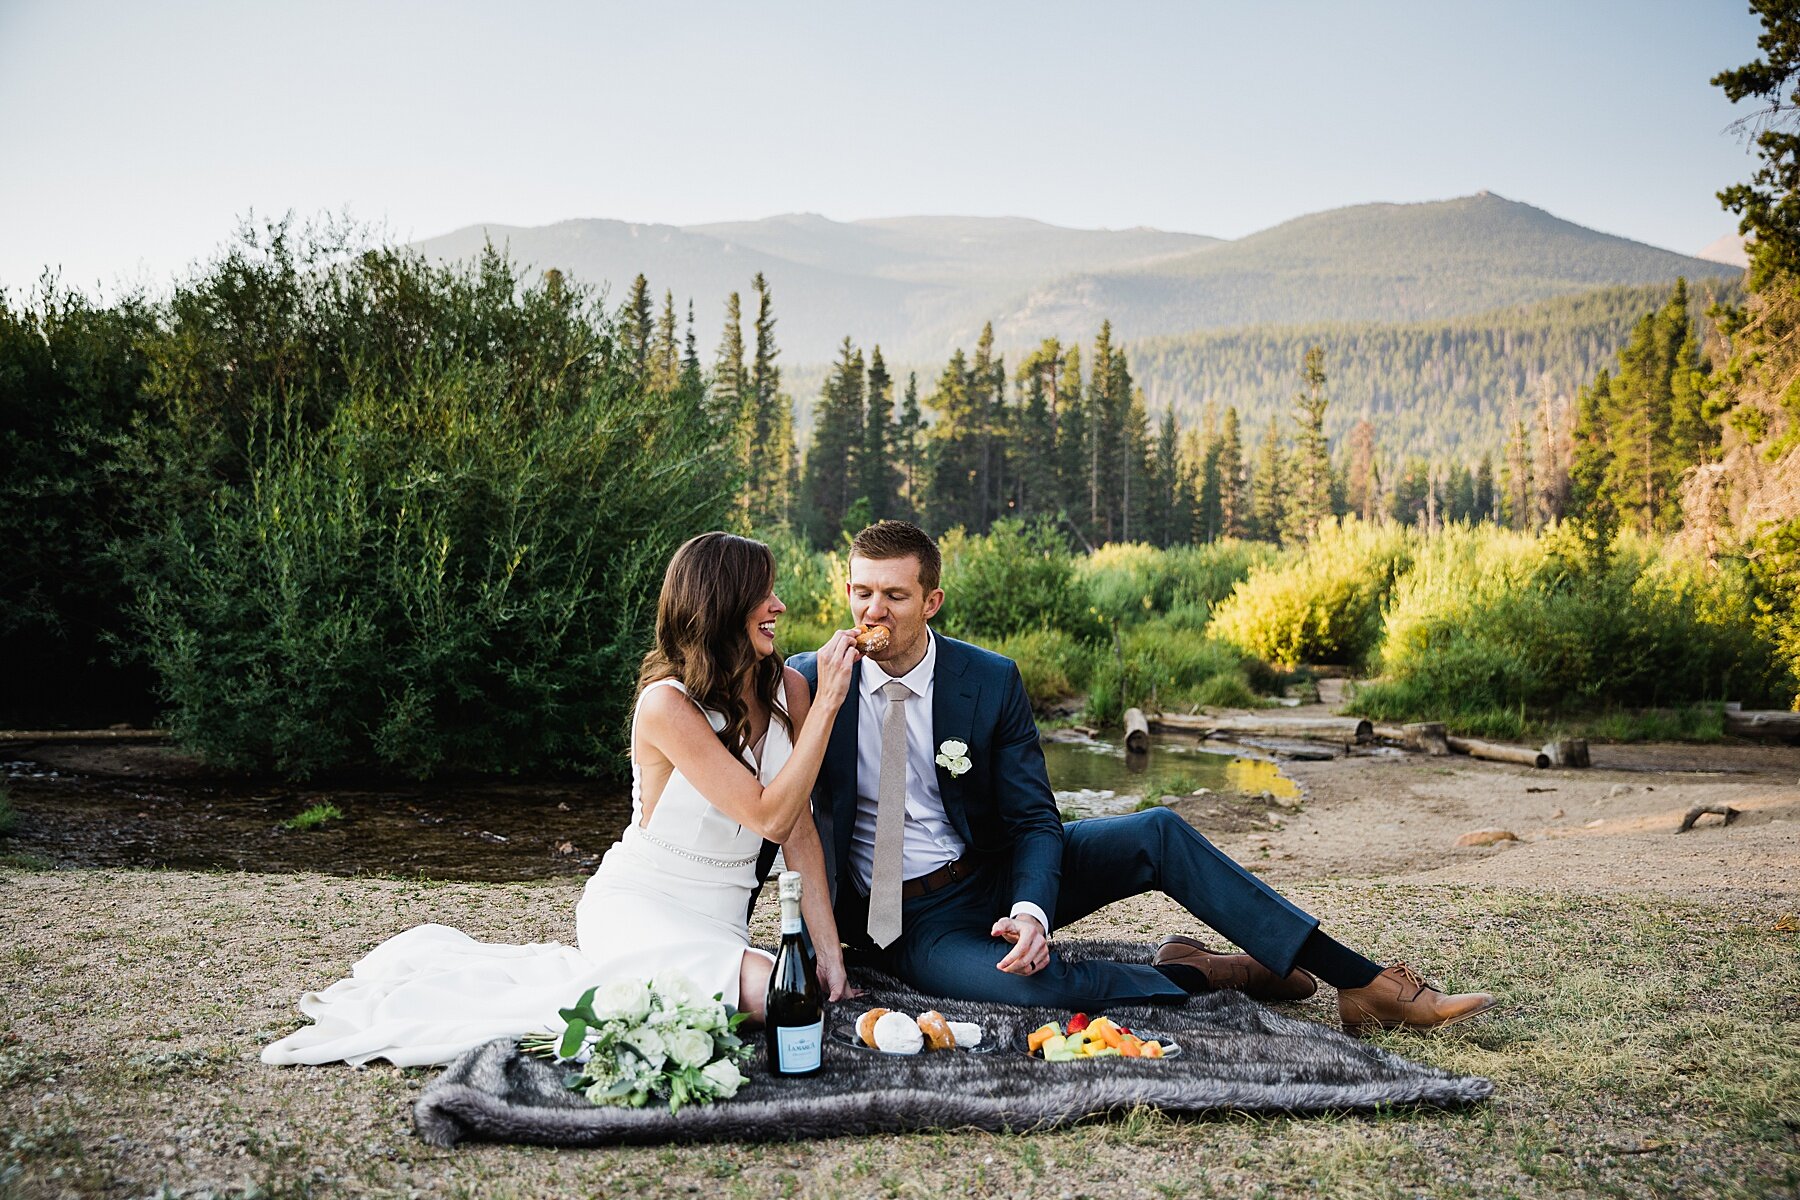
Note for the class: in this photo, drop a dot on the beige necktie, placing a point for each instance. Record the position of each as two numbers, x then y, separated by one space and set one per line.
890 819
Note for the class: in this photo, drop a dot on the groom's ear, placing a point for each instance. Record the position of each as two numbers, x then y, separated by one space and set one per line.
934 600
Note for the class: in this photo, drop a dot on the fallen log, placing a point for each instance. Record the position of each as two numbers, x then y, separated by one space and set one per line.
1766 723
1318 729
1567 752
84 735
1424 737
1137 731
1495 752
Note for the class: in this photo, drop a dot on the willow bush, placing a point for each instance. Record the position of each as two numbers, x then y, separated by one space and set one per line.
1132 583
427 539
1491 627
1322 604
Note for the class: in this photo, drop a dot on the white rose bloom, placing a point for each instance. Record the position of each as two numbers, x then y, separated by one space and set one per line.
622 999
690 1047
954 748
725 1077
675 989
649 1043
959 766
708 1015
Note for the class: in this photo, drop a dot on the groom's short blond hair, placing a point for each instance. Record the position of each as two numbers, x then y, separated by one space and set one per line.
901 539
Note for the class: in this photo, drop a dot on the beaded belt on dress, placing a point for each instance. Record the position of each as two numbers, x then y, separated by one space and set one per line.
684 852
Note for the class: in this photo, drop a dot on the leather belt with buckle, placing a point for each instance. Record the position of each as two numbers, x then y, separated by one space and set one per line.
931 881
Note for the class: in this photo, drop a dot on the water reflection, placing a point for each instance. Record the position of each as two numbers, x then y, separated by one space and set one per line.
1095 778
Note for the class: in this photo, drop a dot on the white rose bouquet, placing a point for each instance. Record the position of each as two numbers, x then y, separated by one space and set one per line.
628 1040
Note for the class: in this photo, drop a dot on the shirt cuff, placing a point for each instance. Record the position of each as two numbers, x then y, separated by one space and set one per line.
1028 909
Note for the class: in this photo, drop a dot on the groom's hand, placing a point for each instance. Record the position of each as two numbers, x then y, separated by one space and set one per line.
1031 949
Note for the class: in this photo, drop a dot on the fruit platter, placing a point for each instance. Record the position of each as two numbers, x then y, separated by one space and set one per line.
1082 1038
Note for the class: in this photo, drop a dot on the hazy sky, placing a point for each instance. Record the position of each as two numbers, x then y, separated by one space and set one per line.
133 134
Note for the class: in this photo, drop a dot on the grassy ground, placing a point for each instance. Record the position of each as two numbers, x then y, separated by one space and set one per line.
1646 1046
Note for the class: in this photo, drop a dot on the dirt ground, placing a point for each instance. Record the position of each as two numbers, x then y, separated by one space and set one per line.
135 1003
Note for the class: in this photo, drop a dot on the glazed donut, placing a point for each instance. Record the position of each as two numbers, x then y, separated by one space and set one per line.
936 1030
865 1025
873 639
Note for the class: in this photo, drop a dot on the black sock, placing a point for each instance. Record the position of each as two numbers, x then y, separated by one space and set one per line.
1189 979
1334 962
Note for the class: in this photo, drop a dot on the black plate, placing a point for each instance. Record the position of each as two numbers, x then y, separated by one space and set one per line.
845 1035
1171 1049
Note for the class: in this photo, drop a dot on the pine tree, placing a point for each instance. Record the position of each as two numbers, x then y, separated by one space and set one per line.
1309 501
1550 464
1268 485
770 414
1515 479
1234 511
1035 490
730 404
1485 499
878 480
1590 502
1410 501
953 498
1360 485
636 324
987 421
910 438
832 471
1134 467
690 357
665 363
1072 443
1166 515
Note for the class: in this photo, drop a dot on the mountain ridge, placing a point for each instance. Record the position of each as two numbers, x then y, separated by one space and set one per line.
920 285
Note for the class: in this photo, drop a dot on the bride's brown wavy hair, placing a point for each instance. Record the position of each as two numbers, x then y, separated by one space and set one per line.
712 585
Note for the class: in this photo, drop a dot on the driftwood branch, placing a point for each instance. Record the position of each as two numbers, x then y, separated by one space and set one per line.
1700 810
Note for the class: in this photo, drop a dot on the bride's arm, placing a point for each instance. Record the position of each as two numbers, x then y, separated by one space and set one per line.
803 852
672 725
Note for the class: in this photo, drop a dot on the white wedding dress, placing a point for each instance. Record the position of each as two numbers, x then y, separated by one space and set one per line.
670 895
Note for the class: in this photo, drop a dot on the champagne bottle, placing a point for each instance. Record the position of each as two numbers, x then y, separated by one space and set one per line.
795 1008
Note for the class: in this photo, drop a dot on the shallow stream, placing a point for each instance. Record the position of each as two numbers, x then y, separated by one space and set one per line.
142 807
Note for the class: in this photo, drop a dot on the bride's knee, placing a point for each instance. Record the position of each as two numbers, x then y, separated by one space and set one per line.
753 984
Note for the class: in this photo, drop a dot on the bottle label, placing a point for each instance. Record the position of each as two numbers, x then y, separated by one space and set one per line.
800 1046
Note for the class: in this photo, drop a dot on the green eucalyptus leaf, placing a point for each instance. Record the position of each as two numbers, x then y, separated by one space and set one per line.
572 1038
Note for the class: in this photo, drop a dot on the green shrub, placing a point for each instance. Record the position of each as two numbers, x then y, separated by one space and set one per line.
1321 604
313 817
812 585
1054 665
1161 665
1132 583
1496 629
446 561
1016 577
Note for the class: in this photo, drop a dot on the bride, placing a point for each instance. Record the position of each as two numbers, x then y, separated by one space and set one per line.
725 744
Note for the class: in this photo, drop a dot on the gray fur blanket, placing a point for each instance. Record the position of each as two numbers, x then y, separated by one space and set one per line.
1235 1055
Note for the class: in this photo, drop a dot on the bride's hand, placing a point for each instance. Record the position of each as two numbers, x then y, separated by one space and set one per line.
836 659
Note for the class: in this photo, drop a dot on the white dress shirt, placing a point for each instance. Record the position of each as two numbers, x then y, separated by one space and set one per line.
929 840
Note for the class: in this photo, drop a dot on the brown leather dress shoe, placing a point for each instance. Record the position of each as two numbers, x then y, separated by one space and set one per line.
1235 972
1399 998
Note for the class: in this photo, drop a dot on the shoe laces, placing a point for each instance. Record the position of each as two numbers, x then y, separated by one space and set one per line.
1412 977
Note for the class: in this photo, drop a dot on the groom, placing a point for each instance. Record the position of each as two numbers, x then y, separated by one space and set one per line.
948 856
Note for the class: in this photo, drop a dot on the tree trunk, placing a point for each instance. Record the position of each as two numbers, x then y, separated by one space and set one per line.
1326 729
1137 731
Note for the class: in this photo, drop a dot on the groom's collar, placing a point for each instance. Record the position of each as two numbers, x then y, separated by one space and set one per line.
917 680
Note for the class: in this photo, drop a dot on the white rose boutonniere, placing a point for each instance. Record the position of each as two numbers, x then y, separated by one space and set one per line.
953 756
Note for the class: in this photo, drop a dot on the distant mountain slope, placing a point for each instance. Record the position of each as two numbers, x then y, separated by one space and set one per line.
913 283
1372 262
919 286
1727 248
1430 388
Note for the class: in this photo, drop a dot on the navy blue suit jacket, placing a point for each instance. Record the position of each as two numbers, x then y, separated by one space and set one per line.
1001 806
